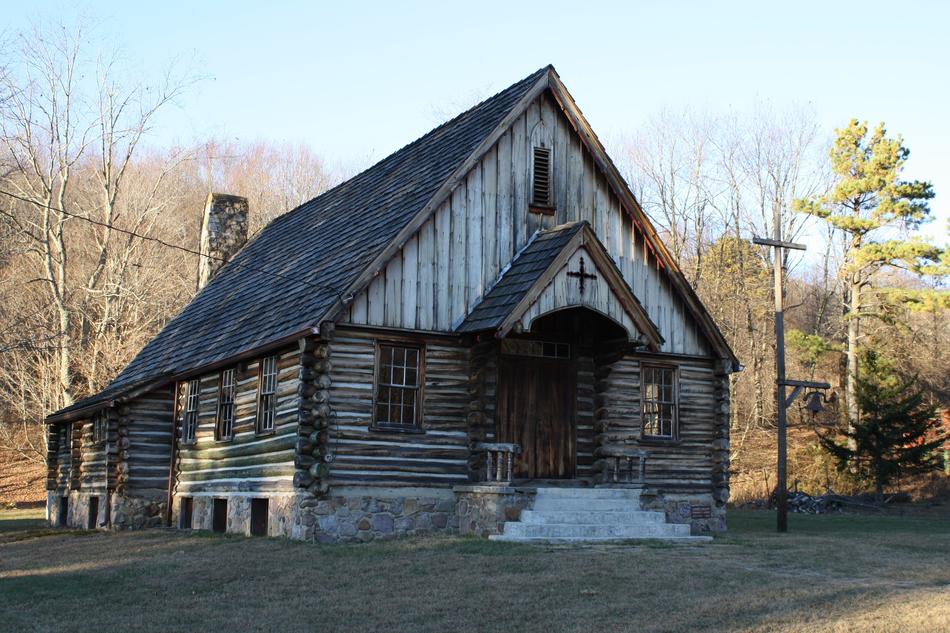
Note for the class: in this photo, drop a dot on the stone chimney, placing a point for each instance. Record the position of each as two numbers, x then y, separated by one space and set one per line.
223 233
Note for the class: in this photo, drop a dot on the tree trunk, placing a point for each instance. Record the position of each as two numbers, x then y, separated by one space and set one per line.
854 332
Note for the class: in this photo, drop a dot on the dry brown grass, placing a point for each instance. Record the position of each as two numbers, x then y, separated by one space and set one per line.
21 481
843 573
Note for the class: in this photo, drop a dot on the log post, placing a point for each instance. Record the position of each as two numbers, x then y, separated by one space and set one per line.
312 454
720 474
482 371
122 444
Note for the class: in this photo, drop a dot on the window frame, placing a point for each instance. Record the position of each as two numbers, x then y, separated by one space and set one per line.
259 428
189 416
417 425
674 435
100 427
67 443
220 419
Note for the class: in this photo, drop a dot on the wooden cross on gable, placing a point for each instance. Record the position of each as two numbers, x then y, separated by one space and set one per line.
582 275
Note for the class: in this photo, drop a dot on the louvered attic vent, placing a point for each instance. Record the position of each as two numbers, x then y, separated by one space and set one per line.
541 191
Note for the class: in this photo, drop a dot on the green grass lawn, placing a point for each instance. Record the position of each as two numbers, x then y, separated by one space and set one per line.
830 573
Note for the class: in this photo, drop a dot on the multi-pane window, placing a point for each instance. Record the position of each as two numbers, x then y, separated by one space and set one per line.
267 395
397 386
100 426
66 448
224 429
658 401
190 421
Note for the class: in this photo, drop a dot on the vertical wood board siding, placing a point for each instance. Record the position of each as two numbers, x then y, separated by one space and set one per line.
442 273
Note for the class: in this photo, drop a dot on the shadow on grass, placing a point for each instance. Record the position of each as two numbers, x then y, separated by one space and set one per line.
758 523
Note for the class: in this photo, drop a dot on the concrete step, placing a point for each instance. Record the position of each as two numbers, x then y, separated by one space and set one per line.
589 493
581 504
573 515
607 517
679 540
595 530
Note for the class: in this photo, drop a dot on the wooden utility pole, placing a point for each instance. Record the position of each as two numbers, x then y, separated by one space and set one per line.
781 402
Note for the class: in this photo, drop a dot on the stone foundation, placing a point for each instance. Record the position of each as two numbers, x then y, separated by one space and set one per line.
77 515
483 510
699 511
362 515
358 517
134 513
284 514
370 517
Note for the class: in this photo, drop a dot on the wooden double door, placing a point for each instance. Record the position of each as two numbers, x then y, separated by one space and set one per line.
536 409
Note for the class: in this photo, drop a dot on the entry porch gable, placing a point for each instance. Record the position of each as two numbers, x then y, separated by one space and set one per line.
566 267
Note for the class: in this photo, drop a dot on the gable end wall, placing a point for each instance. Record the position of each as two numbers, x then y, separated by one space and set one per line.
444 270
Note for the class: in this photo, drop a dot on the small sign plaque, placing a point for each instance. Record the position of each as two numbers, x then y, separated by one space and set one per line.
700 512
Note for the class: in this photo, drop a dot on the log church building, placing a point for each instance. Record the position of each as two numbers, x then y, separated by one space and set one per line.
481 334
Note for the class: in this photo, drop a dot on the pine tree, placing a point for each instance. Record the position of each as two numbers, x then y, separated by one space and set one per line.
870 204
898 434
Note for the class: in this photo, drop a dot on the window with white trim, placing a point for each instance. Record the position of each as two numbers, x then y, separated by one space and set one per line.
189 424
659 401
100 427
267 395
397 386
224 428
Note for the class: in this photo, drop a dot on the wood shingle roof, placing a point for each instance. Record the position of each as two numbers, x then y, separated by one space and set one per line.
284 281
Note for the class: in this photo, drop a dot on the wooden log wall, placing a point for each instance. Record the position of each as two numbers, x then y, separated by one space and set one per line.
75 452
685 465
95 474
443 271
437 455
250 462
58 459
144 440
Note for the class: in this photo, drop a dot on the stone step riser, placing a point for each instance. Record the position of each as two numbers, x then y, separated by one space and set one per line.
590 493
591 514
602 517
566 504
595 531
685 540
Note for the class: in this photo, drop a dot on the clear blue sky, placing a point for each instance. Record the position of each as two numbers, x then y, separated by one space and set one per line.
358 80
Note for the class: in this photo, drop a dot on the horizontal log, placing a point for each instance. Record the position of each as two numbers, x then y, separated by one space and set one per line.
264 470
245 461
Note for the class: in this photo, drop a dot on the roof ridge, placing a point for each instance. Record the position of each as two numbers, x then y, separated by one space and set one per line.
566 226
445 124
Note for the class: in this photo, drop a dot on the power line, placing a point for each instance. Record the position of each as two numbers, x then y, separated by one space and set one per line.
176 246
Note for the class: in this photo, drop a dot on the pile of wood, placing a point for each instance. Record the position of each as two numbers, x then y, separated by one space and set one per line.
804 503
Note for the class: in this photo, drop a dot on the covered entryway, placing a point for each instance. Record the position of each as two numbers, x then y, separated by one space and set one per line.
545 390
560 304
536 402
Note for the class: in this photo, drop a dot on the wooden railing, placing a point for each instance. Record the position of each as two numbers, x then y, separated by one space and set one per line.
499 459
618 464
